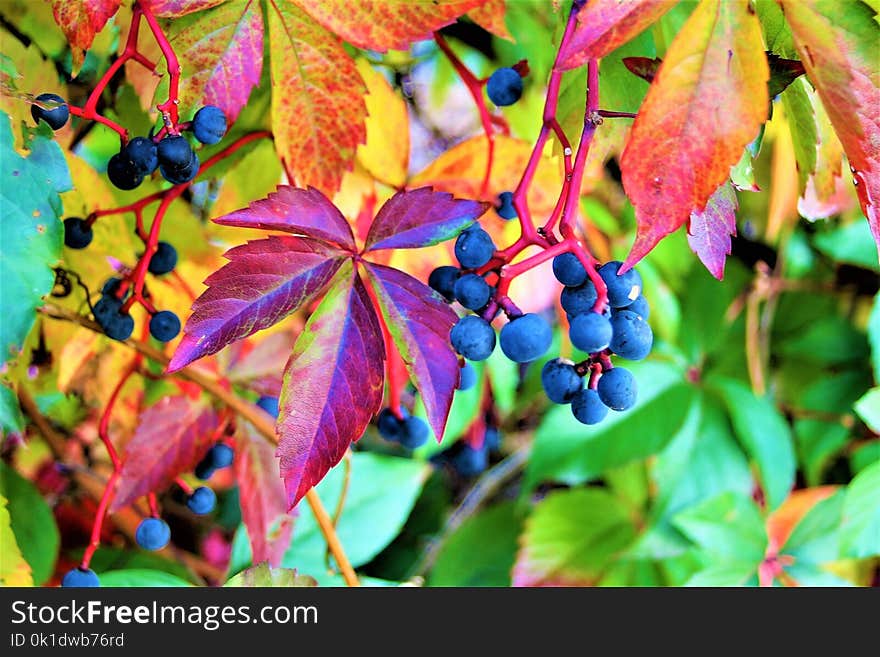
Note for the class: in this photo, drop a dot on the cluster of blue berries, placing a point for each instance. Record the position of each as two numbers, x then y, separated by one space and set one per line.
465 459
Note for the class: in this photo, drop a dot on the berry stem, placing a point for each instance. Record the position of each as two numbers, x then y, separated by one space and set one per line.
610 114
94 116
169 107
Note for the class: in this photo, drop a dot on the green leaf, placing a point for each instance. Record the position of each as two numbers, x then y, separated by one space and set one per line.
777 33
818 442
851 244
382 491
728 529
108 559
11 419
860 533
140 577
734 574
802 124
806 574
30 233
829 341
32 523
868 408
705 304
874 336
815 538
481 552
864 456
14 569
765 435
567 451
571 537
263 575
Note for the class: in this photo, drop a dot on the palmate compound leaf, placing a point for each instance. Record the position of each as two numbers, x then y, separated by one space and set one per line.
705 105
709 231
263 282
604 25
333 384
419 322
171 438
81 20
383 24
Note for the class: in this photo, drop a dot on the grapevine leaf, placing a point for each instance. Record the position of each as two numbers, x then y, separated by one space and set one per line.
333 384
419 322
709 231
715 70
839 51
172 437
490 16
860 534
265 575
421 217
262 497
644 67
318 107
604 25
81 20
178 8
728 529
14 570
222 55
263 282
383 24
291 210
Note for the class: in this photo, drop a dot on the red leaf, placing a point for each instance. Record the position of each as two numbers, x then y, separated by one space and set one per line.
706 104
259 365
263 282
419 323
178 8
420 217
709 231
318 107
299 211
81 20
333 384
383 24
262 497
604 25
222 55
645 67
172 437
838 47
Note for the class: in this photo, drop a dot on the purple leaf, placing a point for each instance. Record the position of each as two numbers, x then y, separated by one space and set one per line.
420 217
171 437
419 323
709 231
304 212
333 384
263 282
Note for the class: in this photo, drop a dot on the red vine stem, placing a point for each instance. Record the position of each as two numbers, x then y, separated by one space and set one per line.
169 107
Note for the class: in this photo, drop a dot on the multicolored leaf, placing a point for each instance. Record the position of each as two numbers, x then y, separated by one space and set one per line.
81 20
421 217
262 497
706 104
14 570
604 25
333 384
172 436
490 16
318 107
304 212
263 282
419 322
178 8
709 231
383 24
265 575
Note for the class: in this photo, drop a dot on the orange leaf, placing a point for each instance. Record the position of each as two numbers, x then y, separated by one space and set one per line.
318 108
782 521
838 45
490 17
81 20
384 24
705 105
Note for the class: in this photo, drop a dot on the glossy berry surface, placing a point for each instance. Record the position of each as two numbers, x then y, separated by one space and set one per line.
590 332
163 260
468 377
123 173
202 501
119 326
568 270
633 337
504 87
526 338
143 155
474 248
77 233
269 404
209 124
152 534
472 291
617 389
57 116
174 152
473 337
580 299
640 307
221 456
504 207
164 325
443 279
560 380
587 407
80 578
622 290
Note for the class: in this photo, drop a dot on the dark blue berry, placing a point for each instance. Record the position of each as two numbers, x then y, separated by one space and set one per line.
560 380
526 338
617 389
164 325
204 470
505 87
504 207
590 332
568 270
123 173
56 116
80 578
442 279
163 260
390 426
470 462
633 337
143 155
110 287
202 500
468 377
587 407
269 404
622 290
640 307
473 337
106 309
474 248
180 175
221 456
472 291
119 327
415 432
77 233
578 300
209 124
174 152
492 439
152 534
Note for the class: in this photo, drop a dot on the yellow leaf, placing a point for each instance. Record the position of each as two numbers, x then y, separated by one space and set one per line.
14 570
386 153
